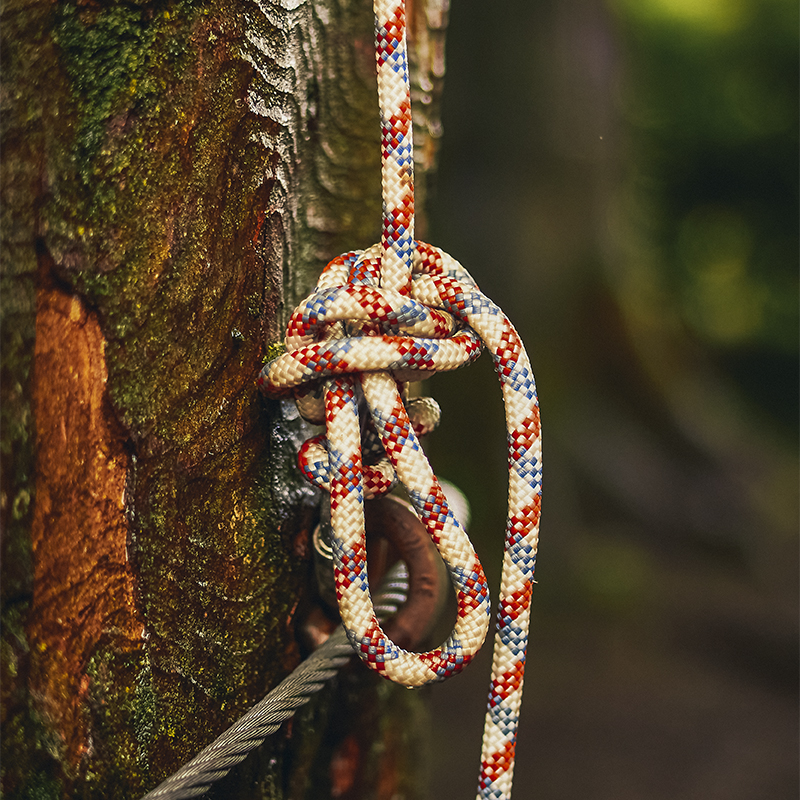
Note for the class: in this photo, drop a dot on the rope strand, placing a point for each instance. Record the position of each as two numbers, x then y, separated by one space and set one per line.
379 318
397 149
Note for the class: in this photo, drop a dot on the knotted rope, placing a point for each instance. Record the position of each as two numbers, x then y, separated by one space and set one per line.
377 319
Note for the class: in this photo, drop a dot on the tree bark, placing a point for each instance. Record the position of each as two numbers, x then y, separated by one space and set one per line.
174 177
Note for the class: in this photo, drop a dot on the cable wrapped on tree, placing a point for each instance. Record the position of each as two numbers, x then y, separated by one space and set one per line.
249 732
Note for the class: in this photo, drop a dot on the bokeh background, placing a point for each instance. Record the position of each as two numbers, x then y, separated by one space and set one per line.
621 177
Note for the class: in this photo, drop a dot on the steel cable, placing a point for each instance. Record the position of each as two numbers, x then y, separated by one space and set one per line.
237 742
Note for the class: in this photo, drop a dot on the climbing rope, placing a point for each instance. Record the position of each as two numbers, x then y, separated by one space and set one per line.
235 744
379 318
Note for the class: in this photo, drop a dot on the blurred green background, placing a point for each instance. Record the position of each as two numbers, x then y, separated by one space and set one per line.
621 177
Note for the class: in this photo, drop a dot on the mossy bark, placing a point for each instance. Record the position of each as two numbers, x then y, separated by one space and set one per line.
175 174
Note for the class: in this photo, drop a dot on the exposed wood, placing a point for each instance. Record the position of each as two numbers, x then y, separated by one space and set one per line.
83 586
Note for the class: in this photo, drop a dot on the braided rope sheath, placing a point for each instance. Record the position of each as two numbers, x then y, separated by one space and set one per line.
377 319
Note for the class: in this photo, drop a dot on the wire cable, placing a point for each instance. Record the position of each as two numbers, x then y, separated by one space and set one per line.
235 744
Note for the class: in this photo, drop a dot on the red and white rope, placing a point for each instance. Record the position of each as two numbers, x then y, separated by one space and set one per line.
377 319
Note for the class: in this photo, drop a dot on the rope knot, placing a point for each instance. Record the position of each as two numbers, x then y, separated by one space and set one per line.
350 325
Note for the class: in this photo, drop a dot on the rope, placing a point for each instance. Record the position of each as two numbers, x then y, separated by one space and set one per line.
379 318
234 745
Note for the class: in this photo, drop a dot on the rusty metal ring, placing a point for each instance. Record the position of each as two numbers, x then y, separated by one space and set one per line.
395 520
394 532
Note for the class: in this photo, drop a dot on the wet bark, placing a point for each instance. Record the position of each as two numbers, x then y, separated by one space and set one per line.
174 176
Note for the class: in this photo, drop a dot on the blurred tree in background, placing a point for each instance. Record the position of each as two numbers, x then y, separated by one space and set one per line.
621 177
712 109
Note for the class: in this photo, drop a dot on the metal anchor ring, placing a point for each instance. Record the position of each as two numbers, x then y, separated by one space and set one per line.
394 532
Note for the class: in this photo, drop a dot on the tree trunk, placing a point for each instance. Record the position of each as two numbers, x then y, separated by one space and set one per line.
175 175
